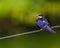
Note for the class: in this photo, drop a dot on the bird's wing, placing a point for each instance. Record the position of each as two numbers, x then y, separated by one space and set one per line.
46 21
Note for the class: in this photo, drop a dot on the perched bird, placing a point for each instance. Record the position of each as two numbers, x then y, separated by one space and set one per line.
44 24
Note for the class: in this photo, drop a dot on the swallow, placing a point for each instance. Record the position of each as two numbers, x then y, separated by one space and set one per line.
43 23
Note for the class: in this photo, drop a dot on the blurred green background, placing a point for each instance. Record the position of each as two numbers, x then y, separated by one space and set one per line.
17 16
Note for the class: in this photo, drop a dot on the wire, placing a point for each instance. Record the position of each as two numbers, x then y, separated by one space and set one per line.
25 33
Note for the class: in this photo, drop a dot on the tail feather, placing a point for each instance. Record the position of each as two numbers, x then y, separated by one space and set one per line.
49 29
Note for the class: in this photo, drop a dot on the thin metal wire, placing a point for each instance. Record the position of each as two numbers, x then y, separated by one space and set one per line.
25 33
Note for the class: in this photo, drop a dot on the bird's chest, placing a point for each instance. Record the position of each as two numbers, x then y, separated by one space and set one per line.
41 22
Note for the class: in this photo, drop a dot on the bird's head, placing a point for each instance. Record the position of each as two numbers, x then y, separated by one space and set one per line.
40 16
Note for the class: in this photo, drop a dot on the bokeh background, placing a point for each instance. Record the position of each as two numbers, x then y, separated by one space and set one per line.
17 16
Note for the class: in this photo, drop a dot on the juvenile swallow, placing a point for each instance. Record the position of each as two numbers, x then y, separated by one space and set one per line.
44 24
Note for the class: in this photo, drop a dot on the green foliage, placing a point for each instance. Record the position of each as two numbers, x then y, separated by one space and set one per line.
53 1
19 14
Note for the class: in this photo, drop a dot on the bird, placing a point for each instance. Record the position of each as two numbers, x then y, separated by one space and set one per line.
43 23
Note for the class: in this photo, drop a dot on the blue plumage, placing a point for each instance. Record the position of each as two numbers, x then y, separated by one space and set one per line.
43 23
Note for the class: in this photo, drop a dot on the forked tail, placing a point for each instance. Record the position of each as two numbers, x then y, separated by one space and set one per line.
49 29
